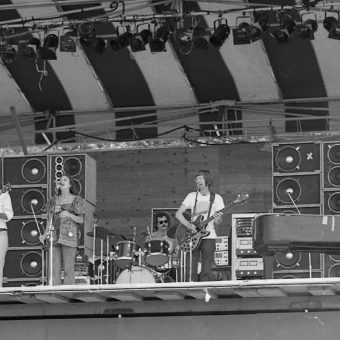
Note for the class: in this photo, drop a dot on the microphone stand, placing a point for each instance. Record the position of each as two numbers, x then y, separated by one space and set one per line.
50 237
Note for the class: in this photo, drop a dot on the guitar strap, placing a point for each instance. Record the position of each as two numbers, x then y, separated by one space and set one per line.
212 197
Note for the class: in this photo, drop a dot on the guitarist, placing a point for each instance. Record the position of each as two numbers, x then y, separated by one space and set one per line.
6 214
205 204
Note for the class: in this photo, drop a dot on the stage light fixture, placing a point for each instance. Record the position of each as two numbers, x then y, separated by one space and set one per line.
9 53
220 34
28 47
241 32
287 27
308 27
100 45
199 38
157 43
140 39
260 25
332 25
121 40
49 48
68 41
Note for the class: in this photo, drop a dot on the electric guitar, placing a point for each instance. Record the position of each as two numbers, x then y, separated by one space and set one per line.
189 239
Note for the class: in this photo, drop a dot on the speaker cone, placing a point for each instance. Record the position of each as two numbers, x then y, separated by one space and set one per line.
287 190
288 159
334 271
31 263
334 202
30 232
334 153
288 260
72 166
33 170
33 200
334 176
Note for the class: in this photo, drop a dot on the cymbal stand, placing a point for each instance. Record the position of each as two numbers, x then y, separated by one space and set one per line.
94 249
190 260
107 259
100 268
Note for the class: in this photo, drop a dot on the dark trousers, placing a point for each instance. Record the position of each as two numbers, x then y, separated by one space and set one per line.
206 249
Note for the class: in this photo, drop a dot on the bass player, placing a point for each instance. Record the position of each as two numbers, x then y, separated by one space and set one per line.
202 203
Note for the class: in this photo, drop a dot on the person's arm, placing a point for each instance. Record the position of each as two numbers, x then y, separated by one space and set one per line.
75 218
220 205
181 218
79 211
7 213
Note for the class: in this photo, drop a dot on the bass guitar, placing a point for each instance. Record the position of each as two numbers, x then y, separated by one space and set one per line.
189 239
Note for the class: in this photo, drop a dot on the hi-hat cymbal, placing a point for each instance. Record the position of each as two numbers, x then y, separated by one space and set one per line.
100 232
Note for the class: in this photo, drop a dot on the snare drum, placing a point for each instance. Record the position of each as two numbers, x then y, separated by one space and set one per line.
157 252
125 251
136 275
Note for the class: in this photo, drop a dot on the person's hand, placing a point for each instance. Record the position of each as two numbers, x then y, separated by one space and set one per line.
64 214
42 238
192 227
218 218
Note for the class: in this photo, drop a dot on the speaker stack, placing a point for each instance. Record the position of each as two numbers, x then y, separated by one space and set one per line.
33 181
28 177
296 179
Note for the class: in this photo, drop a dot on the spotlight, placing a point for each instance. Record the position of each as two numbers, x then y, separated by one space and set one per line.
199 40
220 34
100 45
8 53
306 29
241 32
261 24
157 43
332 25
139 40
120 41
185 36
287 26
28 48
68 42
49 48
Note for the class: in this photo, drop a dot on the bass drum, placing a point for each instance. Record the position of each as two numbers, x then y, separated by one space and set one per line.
136 275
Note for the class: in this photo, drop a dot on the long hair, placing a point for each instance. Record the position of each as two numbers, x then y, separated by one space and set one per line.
73 186
207 177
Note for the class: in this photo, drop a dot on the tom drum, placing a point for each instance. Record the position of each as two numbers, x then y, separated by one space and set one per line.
125 251
157 252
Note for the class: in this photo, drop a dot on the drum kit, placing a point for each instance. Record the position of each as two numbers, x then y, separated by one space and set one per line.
124 261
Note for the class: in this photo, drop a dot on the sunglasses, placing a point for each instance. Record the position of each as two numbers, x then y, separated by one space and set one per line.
162 222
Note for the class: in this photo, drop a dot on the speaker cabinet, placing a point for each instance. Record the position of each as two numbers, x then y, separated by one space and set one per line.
293 264
82 170
24 170
331 165
332 265
301 210
296 158
24 263
24 232
296 189
28 201
331 201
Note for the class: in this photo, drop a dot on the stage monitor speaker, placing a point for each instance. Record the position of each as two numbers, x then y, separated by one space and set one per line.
24 170
331 165
23 263
81 168
298 190
28 201
296 158
22 282
24 232
292 264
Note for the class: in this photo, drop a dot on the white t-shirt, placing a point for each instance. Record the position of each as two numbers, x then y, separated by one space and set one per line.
202 208
6 208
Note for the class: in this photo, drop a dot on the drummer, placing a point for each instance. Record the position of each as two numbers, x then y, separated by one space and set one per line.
161 222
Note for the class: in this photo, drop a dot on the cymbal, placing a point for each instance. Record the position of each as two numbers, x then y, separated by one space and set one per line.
172 231
101 232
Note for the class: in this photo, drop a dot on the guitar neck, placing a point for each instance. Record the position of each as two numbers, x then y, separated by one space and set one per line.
211 218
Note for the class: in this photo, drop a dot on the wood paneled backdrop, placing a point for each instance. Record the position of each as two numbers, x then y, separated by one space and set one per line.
132 182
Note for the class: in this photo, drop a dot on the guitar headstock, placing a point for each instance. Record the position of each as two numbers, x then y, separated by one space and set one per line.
241 198
6 187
